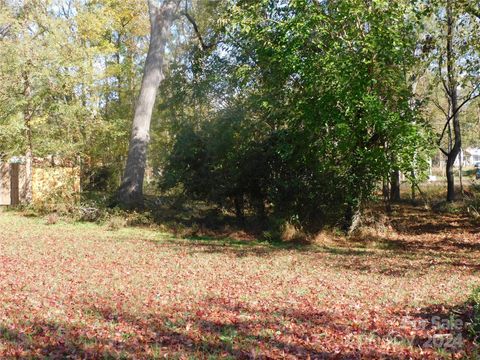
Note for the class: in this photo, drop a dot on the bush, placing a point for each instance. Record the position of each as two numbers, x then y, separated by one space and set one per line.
116 223
89 214
474 328
473 201
102 178
139 219
52 219
295 140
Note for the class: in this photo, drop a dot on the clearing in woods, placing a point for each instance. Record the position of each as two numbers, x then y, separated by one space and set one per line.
81 291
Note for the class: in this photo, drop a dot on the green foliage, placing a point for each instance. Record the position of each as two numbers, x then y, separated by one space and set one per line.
295 110
316 109
70 72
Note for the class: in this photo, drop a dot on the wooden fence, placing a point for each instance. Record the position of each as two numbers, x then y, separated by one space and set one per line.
49 184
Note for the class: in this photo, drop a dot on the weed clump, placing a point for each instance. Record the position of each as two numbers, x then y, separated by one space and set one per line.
474 326
52 219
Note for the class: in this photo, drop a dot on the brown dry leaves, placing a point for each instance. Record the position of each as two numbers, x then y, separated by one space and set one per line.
80 291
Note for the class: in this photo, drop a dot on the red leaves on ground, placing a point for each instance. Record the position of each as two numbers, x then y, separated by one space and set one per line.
76 291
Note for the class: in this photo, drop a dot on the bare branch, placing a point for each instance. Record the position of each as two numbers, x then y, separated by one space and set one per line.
440 107
440 75
470 97
5 30
192 21
197 32
447 124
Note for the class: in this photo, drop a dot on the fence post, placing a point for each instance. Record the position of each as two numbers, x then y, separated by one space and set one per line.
14 184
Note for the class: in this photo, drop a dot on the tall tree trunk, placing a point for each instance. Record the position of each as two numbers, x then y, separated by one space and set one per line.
28 164
454 109
27 115
130 194
460 172
386 190
395 186
413 188
118 43
450 178
355 215
239 202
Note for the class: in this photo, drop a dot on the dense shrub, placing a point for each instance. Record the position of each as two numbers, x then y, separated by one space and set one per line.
102 178
306 127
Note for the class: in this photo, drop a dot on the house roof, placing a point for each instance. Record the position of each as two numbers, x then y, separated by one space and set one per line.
473 151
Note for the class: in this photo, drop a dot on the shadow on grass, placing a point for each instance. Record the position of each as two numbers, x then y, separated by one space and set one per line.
445 327
410 220
211 245
392 257
217 329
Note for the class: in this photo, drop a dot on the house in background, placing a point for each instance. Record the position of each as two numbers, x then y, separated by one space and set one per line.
468 157
471 156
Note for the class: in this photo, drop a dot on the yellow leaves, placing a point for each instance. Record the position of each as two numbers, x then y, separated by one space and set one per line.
39 120
99 23
58 183
92 25
113 70
131 16
126 16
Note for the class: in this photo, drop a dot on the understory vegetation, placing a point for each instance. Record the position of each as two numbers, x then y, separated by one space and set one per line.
474 329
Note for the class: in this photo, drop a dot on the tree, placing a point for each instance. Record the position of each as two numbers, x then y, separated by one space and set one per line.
68 74
317 98
114 34
40 79
130 194
452 42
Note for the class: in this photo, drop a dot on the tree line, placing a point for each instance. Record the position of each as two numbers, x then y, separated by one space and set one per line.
294 109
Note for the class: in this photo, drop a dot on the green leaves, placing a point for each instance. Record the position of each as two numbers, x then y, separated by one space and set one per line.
325 105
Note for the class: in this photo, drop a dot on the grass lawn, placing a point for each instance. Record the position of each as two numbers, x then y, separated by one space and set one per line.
82 291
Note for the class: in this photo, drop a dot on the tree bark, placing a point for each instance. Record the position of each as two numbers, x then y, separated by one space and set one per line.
130 193
453 95
413 188
29 165
239 202
460 172
355 215
27 115
395 186
386 191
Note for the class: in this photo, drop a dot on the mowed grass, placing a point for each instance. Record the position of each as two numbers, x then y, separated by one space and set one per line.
82 291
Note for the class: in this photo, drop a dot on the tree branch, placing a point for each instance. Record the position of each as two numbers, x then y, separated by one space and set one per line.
469 8
439 107
470 97
197 31
5 30
440 75
444 152
473 11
